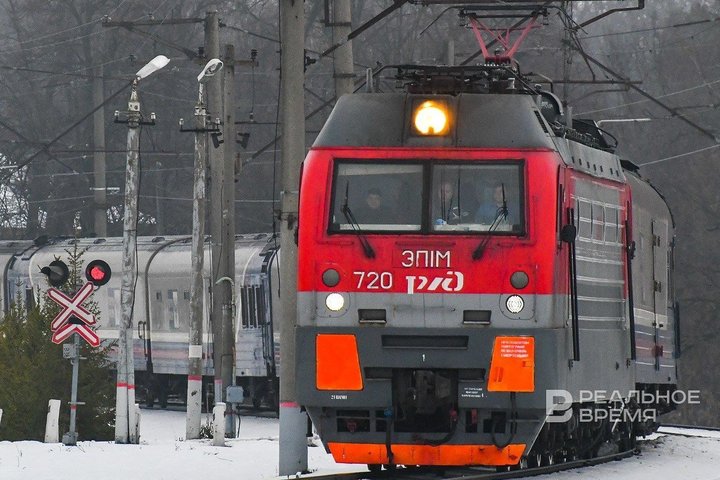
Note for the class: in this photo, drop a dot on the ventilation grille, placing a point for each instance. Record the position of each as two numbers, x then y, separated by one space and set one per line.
542 123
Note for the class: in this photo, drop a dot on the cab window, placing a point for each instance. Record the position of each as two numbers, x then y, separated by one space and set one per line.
377 197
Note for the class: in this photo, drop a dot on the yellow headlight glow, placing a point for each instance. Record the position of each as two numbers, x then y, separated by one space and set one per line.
431 119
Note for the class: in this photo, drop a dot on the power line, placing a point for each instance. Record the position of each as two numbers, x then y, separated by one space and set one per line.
653 29
685 90
65 132
49 45
711 147
671 43
184 199
50 72
252 34
42 37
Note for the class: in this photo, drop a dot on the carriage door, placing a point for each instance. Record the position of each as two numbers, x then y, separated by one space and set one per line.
660 287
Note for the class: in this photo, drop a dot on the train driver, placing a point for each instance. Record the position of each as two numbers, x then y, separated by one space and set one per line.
446 205
491 207
375 210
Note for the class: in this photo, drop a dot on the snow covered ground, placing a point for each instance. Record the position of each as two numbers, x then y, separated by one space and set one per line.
163 455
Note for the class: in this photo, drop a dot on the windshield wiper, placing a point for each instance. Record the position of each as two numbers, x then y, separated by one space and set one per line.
347 213
502 212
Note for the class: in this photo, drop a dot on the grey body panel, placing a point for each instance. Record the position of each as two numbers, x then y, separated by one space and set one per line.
653 233
487 121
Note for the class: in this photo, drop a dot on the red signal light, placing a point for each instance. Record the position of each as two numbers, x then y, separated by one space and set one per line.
98 272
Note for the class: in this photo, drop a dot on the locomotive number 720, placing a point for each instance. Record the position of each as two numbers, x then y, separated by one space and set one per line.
374 280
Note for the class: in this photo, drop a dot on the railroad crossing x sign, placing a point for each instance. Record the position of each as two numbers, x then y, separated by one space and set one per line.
73 318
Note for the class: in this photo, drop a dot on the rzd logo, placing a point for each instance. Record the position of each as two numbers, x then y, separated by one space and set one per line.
452 282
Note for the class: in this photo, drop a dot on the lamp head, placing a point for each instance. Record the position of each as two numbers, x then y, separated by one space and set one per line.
152 66
211 68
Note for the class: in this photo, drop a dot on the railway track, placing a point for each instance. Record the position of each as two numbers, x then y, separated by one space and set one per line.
689 430
689 427
458 473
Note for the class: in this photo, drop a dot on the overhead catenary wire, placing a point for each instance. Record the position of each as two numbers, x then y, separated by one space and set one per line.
678 92
60 32
654 29
72 127
591 60
64 132
673 157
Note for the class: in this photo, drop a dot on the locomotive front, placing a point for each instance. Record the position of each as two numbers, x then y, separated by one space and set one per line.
430 312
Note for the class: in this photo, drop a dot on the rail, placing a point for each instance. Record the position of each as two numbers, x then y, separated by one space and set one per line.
468 473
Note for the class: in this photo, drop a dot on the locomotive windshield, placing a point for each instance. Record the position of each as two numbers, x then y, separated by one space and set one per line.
377 197
394 197
477 197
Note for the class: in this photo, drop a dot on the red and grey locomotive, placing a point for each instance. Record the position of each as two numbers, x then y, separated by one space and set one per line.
471 264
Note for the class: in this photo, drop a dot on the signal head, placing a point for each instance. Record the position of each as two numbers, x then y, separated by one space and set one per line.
98 272
57 273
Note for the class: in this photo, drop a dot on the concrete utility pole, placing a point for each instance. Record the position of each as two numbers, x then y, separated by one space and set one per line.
216 160
226 272
194 390
125 418
293 421
99 184
343 55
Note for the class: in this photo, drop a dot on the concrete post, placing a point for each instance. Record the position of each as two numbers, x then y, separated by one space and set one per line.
293 421
126 362
99 182
227 259
216 162
135 424
219 424
343 55
194 390
52 427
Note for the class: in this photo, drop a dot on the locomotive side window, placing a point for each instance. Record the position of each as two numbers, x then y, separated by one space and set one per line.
377 197
477 198
612 225
584 220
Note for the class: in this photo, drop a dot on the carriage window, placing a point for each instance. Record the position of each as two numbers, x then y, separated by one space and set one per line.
158 312
173 313
252 306
377 197
114 310
477 198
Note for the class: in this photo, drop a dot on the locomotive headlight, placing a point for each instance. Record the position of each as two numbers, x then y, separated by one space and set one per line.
335 302
515 304
431 118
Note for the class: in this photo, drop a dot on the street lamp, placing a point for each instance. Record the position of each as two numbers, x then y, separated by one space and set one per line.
126 416
194 386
